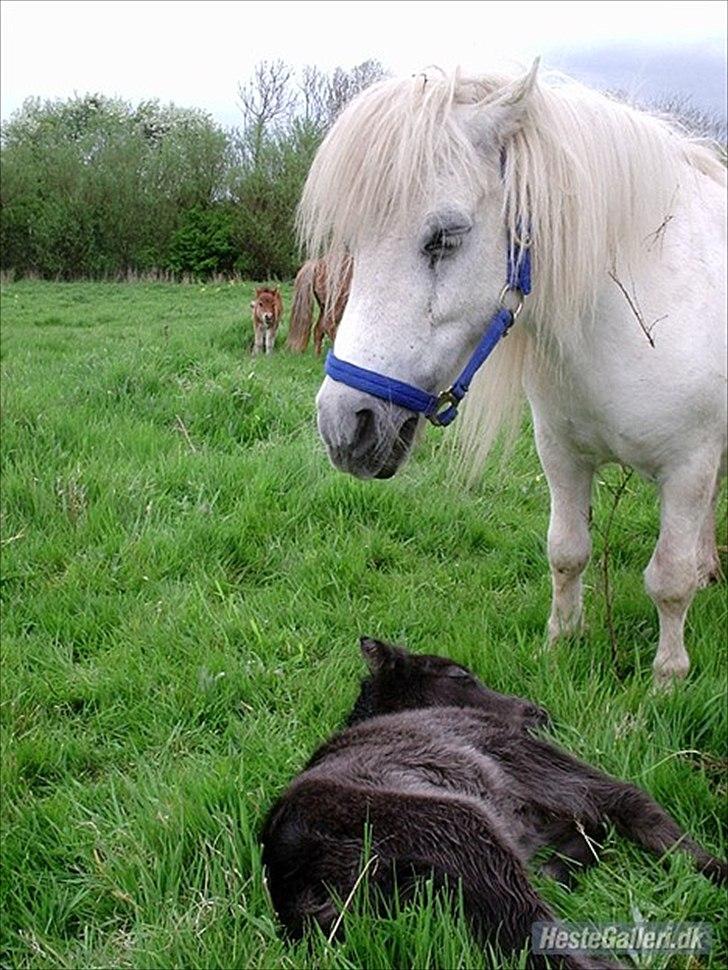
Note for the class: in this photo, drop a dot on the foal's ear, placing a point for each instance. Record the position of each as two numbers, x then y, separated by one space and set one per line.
501 113
378 655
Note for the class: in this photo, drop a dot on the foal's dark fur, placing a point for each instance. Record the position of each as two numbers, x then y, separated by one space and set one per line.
453 785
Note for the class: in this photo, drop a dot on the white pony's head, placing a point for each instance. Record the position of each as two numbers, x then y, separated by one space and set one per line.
423 181
409 182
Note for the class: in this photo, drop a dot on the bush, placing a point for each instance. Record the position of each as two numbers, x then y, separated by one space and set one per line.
203 244
92 186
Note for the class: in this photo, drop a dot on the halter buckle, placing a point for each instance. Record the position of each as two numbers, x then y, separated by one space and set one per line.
445 401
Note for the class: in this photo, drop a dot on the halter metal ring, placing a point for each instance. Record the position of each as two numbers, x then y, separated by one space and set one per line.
446 399
517 297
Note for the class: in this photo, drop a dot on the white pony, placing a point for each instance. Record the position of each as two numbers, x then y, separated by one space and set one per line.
621 348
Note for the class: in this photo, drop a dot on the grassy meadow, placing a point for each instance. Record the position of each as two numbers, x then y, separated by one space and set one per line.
184 582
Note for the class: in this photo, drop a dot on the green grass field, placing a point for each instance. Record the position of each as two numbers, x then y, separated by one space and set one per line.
184 583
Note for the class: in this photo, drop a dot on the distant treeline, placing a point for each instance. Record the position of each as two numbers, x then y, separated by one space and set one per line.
95 187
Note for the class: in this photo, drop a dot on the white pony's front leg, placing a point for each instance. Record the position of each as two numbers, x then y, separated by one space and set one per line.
671 578
708 560
270 340
569 543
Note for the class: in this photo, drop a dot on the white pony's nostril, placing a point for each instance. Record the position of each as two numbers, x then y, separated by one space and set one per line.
365 431
363 436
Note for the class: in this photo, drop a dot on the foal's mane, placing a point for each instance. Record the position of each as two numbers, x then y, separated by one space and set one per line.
591 176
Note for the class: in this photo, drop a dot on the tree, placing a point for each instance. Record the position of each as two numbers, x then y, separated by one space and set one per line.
93 186
267 102
344 85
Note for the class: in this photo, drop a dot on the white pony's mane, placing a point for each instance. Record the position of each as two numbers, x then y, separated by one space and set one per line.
591 176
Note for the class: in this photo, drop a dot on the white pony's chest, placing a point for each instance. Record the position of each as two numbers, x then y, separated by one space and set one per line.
648 378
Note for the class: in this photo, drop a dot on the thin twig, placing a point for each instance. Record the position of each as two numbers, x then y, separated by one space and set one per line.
181 427
634 307
587 838
347 902
658 233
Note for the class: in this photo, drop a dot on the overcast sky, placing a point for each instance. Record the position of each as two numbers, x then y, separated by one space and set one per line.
195 53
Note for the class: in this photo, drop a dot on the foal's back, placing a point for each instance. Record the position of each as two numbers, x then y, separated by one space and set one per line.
413 771
432 752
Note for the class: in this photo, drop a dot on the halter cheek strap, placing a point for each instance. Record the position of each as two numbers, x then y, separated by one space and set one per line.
441 409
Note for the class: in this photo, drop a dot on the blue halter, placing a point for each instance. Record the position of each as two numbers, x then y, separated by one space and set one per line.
441 409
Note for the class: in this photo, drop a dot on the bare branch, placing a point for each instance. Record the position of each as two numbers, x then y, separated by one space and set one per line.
635 308
344 85
314 94
658 234
266 101
266 97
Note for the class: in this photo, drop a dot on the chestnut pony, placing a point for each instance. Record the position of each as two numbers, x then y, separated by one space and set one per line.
312 282
267 310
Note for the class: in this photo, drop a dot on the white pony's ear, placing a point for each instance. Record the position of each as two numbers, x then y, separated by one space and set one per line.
501 113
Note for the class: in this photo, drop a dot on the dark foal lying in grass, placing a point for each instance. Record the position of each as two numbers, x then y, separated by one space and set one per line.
452 785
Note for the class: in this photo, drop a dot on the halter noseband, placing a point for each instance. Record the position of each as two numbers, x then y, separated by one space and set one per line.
441 409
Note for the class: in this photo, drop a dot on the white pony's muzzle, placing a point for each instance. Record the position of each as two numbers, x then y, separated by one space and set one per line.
364 436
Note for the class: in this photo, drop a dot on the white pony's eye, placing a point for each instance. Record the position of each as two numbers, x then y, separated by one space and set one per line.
442 242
